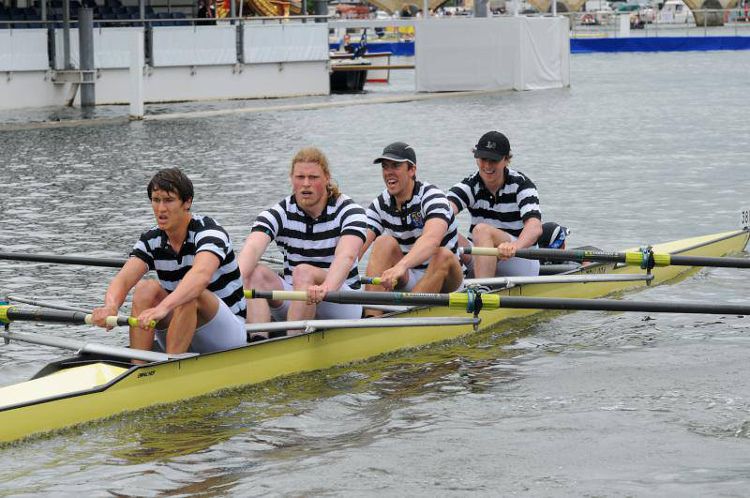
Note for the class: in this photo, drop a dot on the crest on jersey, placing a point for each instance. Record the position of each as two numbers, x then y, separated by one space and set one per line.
417 219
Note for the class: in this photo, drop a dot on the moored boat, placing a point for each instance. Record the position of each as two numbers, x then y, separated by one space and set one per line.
90 386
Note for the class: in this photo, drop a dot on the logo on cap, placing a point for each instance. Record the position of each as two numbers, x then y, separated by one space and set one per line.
491 145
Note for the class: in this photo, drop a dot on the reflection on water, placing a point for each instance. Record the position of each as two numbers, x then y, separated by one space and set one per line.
642 148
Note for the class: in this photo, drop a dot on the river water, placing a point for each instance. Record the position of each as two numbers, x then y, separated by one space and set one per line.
642 148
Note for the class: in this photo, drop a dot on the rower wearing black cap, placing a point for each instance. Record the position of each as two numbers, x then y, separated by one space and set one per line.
504 207
412 229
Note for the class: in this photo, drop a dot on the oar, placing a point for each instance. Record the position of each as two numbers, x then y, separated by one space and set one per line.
473 302
543 279
310 325
66 260
11 314
86 261
44 304
643 259
86 347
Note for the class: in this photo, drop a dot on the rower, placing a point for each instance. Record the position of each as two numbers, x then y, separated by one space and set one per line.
320 232
504 208
412 230
197 303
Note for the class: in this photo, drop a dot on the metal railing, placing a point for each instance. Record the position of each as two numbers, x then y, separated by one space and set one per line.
702 22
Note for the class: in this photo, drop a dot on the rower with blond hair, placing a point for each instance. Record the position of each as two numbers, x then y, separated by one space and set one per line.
320 232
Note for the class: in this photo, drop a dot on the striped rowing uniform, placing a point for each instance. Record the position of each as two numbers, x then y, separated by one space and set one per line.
407 224
507 209
306 240
204 234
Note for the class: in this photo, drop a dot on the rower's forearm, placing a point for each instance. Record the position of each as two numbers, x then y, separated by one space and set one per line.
530 234
189 288
422 251
338 271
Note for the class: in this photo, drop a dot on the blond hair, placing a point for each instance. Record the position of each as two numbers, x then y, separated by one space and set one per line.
315 155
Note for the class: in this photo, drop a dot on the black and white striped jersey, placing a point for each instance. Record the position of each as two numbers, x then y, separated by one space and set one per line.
204 234
304 240
507 209
407 224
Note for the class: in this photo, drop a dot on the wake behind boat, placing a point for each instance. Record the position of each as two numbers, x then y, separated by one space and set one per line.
95 385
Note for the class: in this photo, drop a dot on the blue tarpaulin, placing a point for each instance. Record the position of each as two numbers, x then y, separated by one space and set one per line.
655 44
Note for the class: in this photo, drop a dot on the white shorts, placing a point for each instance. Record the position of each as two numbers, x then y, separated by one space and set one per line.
513 267
224 331
415 276
323 310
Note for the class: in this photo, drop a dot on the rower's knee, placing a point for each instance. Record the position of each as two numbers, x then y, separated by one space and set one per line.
385 251
147 294
303 276
443 259
482 234
262 278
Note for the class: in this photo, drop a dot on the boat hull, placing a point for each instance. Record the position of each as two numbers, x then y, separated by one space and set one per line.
143 386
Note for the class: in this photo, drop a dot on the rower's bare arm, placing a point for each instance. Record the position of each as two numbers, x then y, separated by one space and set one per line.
347 252
371 236
427 244
193 283
255 245
131 272
532 230
454 207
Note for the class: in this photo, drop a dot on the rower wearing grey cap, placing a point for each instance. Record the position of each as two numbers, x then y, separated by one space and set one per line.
504 208
411 228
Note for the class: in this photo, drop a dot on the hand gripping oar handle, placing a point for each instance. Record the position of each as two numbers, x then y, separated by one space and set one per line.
11 313
630 258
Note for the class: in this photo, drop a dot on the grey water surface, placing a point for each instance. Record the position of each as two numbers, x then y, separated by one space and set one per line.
642 148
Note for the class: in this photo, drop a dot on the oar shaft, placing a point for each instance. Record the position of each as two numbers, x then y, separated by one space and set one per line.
630 258
11 313
573 304
85 347
356 297
66 260
470 302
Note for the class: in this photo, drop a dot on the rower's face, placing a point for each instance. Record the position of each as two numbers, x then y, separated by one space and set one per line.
169 209
490 170
309 185
398 176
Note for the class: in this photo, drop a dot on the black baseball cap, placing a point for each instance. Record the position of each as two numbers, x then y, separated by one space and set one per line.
493 146
399 152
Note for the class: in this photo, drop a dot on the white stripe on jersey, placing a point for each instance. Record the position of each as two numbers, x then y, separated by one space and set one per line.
406 225
304 240
506 209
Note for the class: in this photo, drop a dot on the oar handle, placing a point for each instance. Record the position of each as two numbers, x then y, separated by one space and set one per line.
119 321
11 313
371 280
276 295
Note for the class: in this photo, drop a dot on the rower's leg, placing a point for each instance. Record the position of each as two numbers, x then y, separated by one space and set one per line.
147 294
464 242
443 274
485 235
182 327
385 254
262 278
303 277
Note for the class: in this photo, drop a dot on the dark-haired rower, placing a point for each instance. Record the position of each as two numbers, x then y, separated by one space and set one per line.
197 302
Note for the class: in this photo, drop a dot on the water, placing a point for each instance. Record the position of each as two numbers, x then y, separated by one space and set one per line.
642 148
